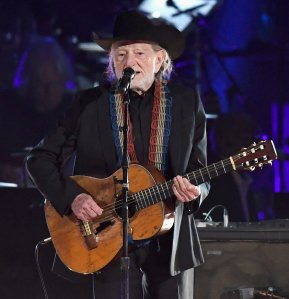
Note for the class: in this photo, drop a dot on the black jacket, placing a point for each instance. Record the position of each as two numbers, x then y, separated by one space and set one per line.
86 131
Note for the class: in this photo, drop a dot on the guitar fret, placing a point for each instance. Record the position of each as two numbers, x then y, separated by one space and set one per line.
215 168
208 172
156 194
150 197
162 186
138 198
148 192
223 166
157 187
195 178
145 198
201 175
226 164
142 199
168 189
163 191
230 165
132 198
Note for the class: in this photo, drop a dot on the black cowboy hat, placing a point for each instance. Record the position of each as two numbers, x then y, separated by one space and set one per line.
134 26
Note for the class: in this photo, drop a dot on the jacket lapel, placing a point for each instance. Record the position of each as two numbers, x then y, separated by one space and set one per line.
105 131
179 142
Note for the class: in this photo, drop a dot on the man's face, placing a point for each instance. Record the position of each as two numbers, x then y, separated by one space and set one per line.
142 58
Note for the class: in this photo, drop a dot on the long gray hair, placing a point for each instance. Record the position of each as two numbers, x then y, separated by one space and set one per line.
164 73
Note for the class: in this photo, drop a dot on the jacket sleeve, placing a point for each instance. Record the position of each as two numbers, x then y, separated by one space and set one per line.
45 161
198 157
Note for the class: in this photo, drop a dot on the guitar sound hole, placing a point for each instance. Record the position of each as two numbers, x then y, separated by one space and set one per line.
103 225
131 208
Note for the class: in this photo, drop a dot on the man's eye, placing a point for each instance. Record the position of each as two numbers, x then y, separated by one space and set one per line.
120 54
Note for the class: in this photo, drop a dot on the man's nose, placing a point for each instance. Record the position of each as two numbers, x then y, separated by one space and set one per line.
130 61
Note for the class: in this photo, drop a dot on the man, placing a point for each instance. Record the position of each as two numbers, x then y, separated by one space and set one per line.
167 130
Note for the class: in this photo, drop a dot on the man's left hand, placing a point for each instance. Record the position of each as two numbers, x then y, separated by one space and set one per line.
184 190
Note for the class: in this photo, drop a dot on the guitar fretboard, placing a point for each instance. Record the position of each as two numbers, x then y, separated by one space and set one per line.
163 191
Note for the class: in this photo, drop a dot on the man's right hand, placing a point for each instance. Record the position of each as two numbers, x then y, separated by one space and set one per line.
85 208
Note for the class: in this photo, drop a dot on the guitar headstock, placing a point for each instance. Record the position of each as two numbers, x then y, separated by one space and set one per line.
256 155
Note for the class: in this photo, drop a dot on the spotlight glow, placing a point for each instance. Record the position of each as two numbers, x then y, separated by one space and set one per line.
182 14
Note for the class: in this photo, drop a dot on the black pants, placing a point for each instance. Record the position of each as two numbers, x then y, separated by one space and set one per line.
149 276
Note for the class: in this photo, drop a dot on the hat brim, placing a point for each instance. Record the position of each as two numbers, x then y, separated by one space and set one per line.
166 36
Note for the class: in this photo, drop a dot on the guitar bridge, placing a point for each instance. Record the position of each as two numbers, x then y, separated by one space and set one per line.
90 238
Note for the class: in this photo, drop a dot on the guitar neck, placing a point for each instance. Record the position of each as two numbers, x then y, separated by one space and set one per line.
164 191
214 170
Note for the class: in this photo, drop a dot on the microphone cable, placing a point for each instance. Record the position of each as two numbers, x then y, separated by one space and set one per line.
40 274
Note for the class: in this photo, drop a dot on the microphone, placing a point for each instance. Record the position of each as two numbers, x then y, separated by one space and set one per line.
124 82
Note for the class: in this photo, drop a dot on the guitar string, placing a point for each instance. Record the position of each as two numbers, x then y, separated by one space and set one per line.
106 215
158 185
222 164
118 204
214 166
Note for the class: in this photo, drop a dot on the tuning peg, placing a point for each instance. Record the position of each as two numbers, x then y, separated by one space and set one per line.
252 144
260 165
270 162
252 168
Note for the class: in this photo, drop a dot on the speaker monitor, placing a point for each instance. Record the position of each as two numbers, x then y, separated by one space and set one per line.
235 264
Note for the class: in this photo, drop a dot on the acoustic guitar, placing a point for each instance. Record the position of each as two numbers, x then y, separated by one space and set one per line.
86 247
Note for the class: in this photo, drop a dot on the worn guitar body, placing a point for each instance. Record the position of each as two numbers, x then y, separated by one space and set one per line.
88 247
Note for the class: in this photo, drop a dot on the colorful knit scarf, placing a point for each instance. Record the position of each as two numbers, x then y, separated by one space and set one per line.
160 127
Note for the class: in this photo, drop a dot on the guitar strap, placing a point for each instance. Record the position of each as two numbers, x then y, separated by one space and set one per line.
160 126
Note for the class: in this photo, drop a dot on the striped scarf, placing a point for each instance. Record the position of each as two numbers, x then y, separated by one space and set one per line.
160 127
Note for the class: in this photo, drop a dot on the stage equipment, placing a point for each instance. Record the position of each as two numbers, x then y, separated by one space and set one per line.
281 205
242 256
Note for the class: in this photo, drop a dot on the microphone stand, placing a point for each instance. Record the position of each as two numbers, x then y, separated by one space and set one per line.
125 260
